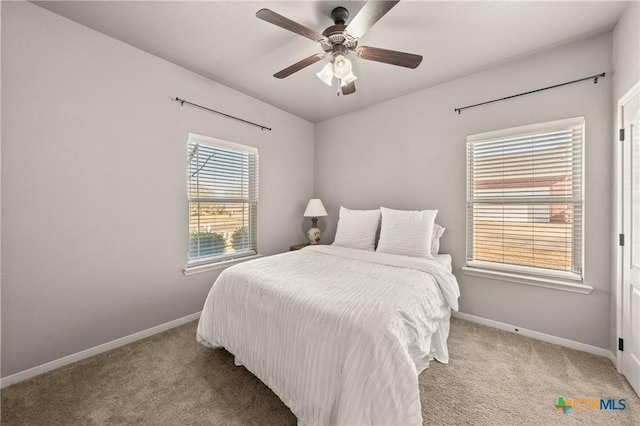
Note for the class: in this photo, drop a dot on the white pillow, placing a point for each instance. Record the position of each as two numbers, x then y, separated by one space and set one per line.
357 229
407 232
435 238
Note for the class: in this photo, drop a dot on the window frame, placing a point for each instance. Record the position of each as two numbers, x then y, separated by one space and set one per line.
204 264
523 274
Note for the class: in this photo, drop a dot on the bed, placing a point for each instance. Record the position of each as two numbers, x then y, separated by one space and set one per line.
339 334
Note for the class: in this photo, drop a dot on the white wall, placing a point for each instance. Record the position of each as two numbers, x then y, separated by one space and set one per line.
409 153
626 73
94 215
626 51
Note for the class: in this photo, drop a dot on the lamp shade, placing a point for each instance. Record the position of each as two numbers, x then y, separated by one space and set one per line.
348 79
326 74
341 66
315 208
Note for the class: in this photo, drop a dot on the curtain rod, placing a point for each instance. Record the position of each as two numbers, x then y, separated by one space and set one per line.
594 77
182 102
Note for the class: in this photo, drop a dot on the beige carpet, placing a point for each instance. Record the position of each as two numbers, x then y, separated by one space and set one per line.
494 378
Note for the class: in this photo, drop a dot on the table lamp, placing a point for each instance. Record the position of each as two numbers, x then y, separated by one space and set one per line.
314 210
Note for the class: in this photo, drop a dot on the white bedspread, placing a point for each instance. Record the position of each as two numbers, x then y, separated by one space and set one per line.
340 335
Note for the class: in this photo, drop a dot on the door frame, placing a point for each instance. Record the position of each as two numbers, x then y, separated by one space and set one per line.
618 251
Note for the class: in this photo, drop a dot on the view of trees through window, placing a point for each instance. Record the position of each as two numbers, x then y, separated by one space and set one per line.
222 191
215 229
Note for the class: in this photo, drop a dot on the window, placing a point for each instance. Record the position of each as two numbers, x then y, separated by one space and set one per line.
223 200
525 200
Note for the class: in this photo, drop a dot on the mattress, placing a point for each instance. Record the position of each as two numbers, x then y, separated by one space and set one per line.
340 335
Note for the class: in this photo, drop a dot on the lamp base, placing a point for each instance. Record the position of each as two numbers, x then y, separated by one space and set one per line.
314 235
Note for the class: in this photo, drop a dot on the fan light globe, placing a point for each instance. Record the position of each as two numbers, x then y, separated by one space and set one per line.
348 79
326 74
341 66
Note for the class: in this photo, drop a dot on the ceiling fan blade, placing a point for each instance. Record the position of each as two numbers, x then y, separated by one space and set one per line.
393 57
370 13
286 23
299 65
349 88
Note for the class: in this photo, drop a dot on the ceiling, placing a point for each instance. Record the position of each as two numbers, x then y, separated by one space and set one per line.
224 41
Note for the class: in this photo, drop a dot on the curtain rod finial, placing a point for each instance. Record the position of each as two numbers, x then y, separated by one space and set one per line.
595 78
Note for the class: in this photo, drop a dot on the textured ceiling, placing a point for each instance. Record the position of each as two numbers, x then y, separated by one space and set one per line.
224 41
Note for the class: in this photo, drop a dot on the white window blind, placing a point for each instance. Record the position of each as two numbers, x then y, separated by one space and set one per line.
525 199
223 199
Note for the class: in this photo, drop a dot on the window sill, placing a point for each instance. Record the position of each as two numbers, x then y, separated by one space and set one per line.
556 284
196 269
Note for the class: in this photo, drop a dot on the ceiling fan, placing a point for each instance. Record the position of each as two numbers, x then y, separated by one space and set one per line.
340 40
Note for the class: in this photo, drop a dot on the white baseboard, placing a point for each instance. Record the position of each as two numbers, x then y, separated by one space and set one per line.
35 371
40 369
539 336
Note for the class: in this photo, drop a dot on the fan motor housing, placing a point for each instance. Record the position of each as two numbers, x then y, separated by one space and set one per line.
336 36
335 33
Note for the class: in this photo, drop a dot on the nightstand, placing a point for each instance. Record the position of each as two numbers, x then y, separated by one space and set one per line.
298 247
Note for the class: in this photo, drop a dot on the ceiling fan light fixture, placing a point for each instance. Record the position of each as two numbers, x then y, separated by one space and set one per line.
341 66
340 40
326 74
